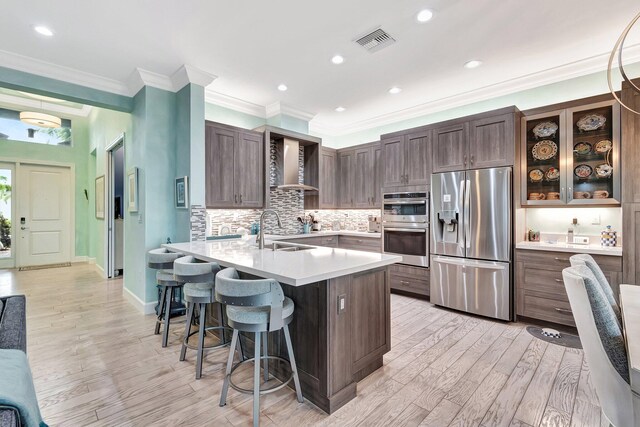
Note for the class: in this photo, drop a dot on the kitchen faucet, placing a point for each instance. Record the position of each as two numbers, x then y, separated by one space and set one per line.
260 236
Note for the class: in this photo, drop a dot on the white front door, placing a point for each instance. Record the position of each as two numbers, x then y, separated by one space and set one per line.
43 222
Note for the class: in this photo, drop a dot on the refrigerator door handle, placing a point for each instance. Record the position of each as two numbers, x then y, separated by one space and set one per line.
467 214
463 235
469 263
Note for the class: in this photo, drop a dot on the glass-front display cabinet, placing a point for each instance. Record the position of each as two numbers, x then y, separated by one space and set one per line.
572 156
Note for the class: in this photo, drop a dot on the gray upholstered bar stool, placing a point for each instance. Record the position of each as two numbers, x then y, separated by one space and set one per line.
257 306
199 284
162 260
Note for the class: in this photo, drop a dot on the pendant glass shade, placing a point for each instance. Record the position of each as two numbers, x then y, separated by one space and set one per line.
40 119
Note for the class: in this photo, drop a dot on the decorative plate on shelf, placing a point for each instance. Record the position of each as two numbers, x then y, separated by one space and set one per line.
544 150
604 170
536 175
545 129
603 146
552 174
583 171
591 122
582 148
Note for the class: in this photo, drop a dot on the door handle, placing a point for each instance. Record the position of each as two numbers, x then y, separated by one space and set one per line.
559 280
464 160
472 159
560 259
235 198
407 230
241 198
563 310
24 228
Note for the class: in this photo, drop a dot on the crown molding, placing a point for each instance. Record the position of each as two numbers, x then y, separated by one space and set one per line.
552 75
189 74
58 72
279 108
19 102
141 77
235 104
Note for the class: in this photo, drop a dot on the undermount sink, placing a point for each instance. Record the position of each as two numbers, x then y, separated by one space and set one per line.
288 247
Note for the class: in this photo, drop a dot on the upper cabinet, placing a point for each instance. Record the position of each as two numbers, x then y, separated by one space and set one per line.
328 169
572 156
358 177
346 178
234 167
484 142
406 160
450 147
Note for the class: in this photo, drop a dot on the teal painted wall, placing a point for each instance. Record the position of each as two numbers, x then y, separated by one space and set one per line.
287 122
19 80
227 116
105 126
76 155
576 88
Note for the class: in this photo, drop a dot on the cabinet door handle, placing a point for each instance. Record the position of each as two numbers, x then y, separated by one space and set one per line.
235 198
559 280
464 160
404 282
360 240
241 198
560 259
563 310
562 193
472 159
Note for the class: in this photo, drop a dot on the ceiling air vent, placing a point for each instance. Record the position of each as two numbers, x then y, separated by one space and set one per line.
376 40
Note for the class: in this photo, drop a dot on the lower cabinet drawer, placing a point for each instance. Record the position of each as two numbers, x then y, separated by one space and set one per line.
409 279
369 244
556 311
329 241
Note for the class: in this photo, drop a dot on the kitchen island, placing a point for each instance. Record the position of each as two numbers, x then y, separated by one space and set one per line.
341 326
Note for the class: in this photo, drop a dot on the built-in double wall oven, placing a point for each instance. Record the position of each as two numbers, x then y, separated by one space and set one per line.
405 226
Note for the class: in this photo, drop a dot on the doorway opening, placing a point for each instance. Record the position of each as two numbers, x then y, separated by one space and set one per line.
115 208
7 255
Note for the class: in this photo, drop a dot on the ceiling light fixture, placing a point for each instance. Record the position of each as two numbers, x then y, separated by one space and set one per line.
337 59
474 63
424 15
340 109
282 87
41 29
617 49
40 119
395 90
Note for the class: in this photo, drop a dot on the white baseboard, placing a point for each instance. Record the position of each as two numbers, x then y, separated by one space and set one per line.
100 270
80 258
141 306
91 260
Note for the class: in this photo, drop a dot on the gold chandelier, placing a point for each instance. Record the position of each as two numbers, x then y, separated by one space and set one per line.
619 46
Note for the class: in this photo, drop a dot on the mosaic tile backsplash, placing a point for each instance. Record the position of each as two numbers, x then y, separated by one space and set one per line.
290 205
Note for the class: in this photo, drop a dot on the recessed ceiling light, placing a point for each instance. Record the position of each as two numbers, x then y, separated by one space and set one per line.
340 109
337 59
474 63
424 15
394 90
282 87
40 29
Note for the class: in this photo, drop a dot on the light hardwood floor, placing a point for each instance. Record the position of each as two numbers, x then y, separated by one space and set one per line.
96 361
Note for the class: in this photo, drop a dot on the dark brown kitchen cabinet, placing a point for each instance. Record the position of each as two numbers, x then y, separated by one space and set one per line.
234 167
346 178
328 177
449 148
406 160
540 292
491 142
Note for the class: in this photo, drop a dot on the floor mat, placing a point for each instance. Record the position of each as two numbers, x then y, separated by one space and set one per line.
42 267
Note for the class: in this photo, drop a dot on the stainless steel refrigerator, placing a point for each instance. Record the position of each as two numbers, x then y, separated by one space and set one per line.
471 223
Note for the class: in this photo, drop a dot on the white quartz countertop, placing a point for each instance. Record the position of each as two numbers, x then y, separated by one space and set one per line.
564 247
323 233
292 268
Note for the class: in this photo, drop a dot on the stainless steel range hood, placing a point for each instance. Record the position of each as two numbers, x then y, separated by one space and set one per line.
287 162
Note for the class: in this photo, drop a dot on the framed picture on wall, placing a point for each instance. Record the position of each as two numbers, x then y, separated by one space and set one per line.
132 190
100 197
182 192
